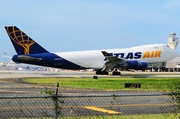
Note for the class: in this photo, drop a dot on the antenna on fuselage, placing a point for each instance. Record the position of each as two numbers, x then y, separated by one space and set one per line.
173 41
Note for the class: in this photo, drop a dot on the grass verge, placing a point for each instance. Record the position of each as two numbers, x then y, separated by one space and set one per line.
160 84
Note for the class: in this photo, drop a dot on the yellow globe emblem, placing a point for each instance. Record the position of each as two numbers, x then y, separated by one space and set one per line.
21 39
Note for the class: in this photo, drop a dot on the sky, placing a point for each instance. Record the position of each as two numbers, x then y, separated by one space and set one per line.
74 25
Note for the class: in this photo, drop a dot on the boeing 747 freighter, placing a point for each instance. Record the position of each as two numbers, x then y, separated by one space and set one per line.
103 61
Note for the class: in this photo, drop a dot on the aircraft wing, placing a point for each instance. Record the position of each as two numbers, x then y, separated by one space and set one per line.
112 62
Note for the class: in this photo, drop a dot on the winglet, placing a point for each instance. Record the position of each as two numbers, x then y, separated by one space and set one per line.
105 53
22 43
112 61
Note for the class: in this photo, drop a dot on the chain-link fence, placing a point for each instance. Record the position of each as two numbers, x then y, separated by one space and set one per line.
128 106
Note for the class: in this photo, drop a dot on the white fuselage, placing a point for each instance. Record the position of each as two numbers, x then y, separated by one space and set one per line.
94 59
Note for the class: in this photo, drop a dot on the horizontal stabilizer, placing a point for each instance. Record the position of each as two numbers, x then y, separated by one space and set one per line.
28 58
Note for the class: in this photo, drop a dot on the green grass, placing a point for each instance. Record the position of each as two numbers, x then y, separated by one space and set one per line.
162 84
140 116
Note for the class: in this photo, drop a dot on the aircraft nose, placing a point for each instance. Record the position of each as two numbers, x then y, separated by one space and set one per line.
172 53
175 54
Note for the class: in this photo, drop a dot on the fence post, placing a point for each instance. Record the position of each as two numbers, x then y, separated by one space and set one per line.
55 100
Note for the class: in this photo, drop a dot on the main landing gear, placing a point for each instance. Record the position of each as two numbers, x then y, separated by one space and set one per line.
102 72
106 73
116 73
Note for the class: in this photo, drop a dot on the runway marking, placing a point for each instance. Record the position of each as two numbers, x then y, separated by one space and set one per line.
90 107
101 110
87 107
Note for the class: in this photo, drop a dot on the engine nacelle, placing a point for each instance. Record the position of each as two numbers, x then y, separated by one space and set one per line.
134 64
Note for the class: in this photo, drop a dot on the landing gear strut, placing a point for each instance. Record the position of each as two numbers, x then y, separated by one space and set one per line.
116 72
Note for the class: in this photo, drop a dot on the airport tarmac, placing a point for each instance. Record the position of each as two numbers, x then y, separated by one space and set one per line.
73 74
11 84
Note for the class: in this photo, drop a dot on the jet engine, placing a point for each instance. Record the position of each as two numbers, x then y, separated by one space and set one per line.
134 64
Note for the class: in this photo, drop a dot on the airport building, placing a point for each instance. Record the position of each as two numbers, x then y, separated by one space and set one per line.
173 65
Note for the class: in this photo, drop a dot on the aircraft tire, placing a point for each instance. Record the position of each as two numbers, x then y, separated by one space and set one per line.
102 73
116 73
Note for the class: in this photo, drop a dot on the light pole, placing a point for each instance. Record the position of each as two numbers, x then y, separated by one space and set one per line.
5 60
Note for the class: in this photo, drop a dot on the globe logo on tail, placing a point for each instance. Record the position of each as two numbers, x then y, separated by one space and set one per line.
21 39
